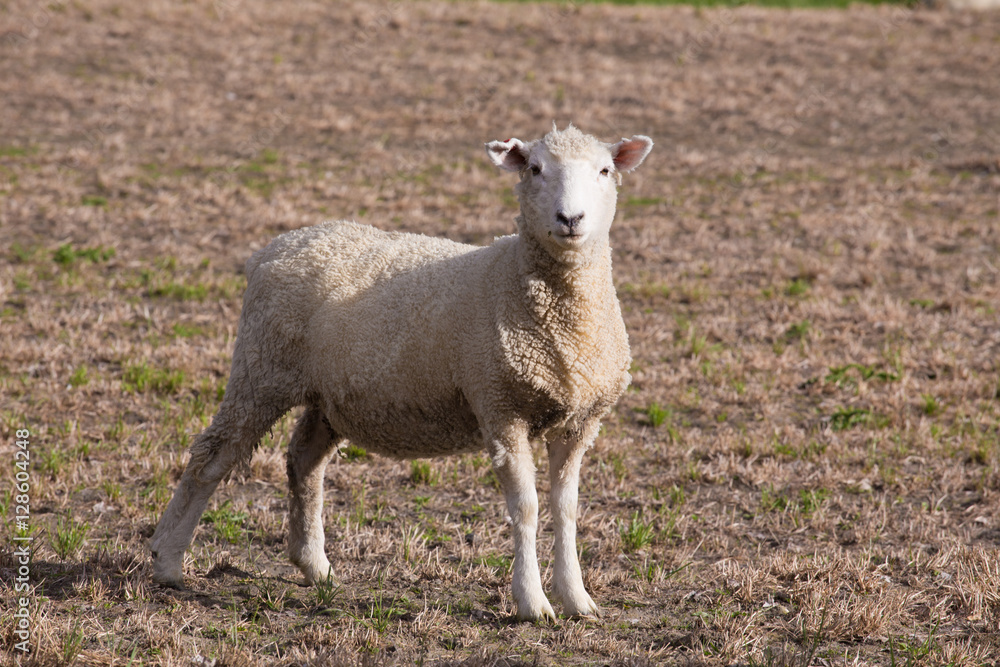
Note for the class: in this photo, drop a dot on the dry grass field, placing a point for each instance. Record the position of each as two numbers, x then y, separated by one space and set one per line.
804 471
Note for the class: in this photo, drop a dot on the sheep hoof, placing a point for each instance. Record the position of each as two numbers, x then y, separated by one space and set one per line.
317 574
542 612
163 579
167 575
583 607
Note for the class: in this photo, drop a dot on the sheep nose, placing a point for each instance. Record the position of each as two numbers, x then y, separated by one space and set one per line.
570 221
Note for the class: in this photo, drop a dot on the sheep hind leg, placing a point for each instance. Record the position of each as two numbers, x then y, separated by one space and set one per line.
229 440
308 453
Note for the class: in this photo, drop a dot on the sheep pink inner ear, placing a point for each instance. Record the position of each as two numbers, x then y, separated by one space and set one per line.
629 153
510 155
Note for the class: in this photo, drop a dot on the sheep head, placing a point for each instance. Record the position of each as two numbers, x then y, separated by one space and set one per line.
568 188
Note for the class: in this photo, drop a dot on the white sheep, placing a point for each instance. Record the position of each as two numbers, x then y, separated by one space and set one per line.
411 346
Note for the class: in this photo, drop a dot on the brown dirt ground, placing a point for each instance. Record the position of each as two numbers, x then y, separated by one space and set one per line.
808 263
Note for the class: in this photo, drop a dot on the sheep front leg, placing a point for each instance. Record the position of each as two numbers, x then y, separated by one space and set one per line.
565 457
513 465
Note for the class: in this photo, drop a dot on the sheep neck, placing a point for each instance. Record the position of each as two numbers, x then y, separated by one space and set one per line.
581 276
575 308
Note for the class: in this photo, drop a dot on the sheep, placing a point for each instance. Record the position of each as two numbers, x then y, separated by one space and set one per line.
411 346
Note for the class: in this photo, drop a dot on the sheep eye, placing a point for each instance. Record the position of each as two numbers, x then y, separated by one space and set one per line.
606 171
535 169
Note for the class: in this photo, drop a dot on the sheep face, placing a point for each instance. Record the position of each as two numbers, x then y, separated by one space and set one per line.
568 187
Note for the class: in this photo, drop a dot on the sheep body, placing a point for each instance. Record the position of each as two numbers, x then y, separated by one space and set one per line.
400 335
373 349
412 346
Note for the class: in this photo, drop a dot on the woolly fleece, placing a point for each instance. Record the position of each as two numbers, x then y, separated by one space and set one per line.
412 344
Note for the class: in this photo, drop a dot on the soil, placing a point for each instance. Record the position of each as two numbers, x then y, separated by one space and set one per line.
805 470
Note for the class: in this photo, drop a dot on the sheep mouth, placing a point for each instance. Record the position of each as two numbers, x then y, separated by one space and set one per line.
571 235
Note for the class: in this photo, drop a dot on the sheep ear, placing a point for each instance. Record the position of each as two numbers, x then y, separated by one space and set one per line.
511 155
629 153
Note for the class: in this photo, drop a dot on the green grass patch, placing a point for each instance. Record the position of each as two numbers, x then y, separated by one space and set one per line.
422 472
13 151
618 467
784 449
79 377
502 564
22 281
781 4
259 174
772 501
925 304
269 156
848 375
811 500
180 291
657 414
67 255
352 452
113 490
848 418
798 332
69 536
22 254
384 609
327 590
94 200
930 405
698 346
807 502
434 536
490 479
643 201
636 534
798 287
359 514
227 522
72 643
648 290
156 491
52 461
167 280
181 330
141 378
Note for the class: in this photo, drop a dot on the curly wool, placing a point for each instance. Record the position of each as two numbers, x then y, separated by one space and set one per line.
409 341
570 142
